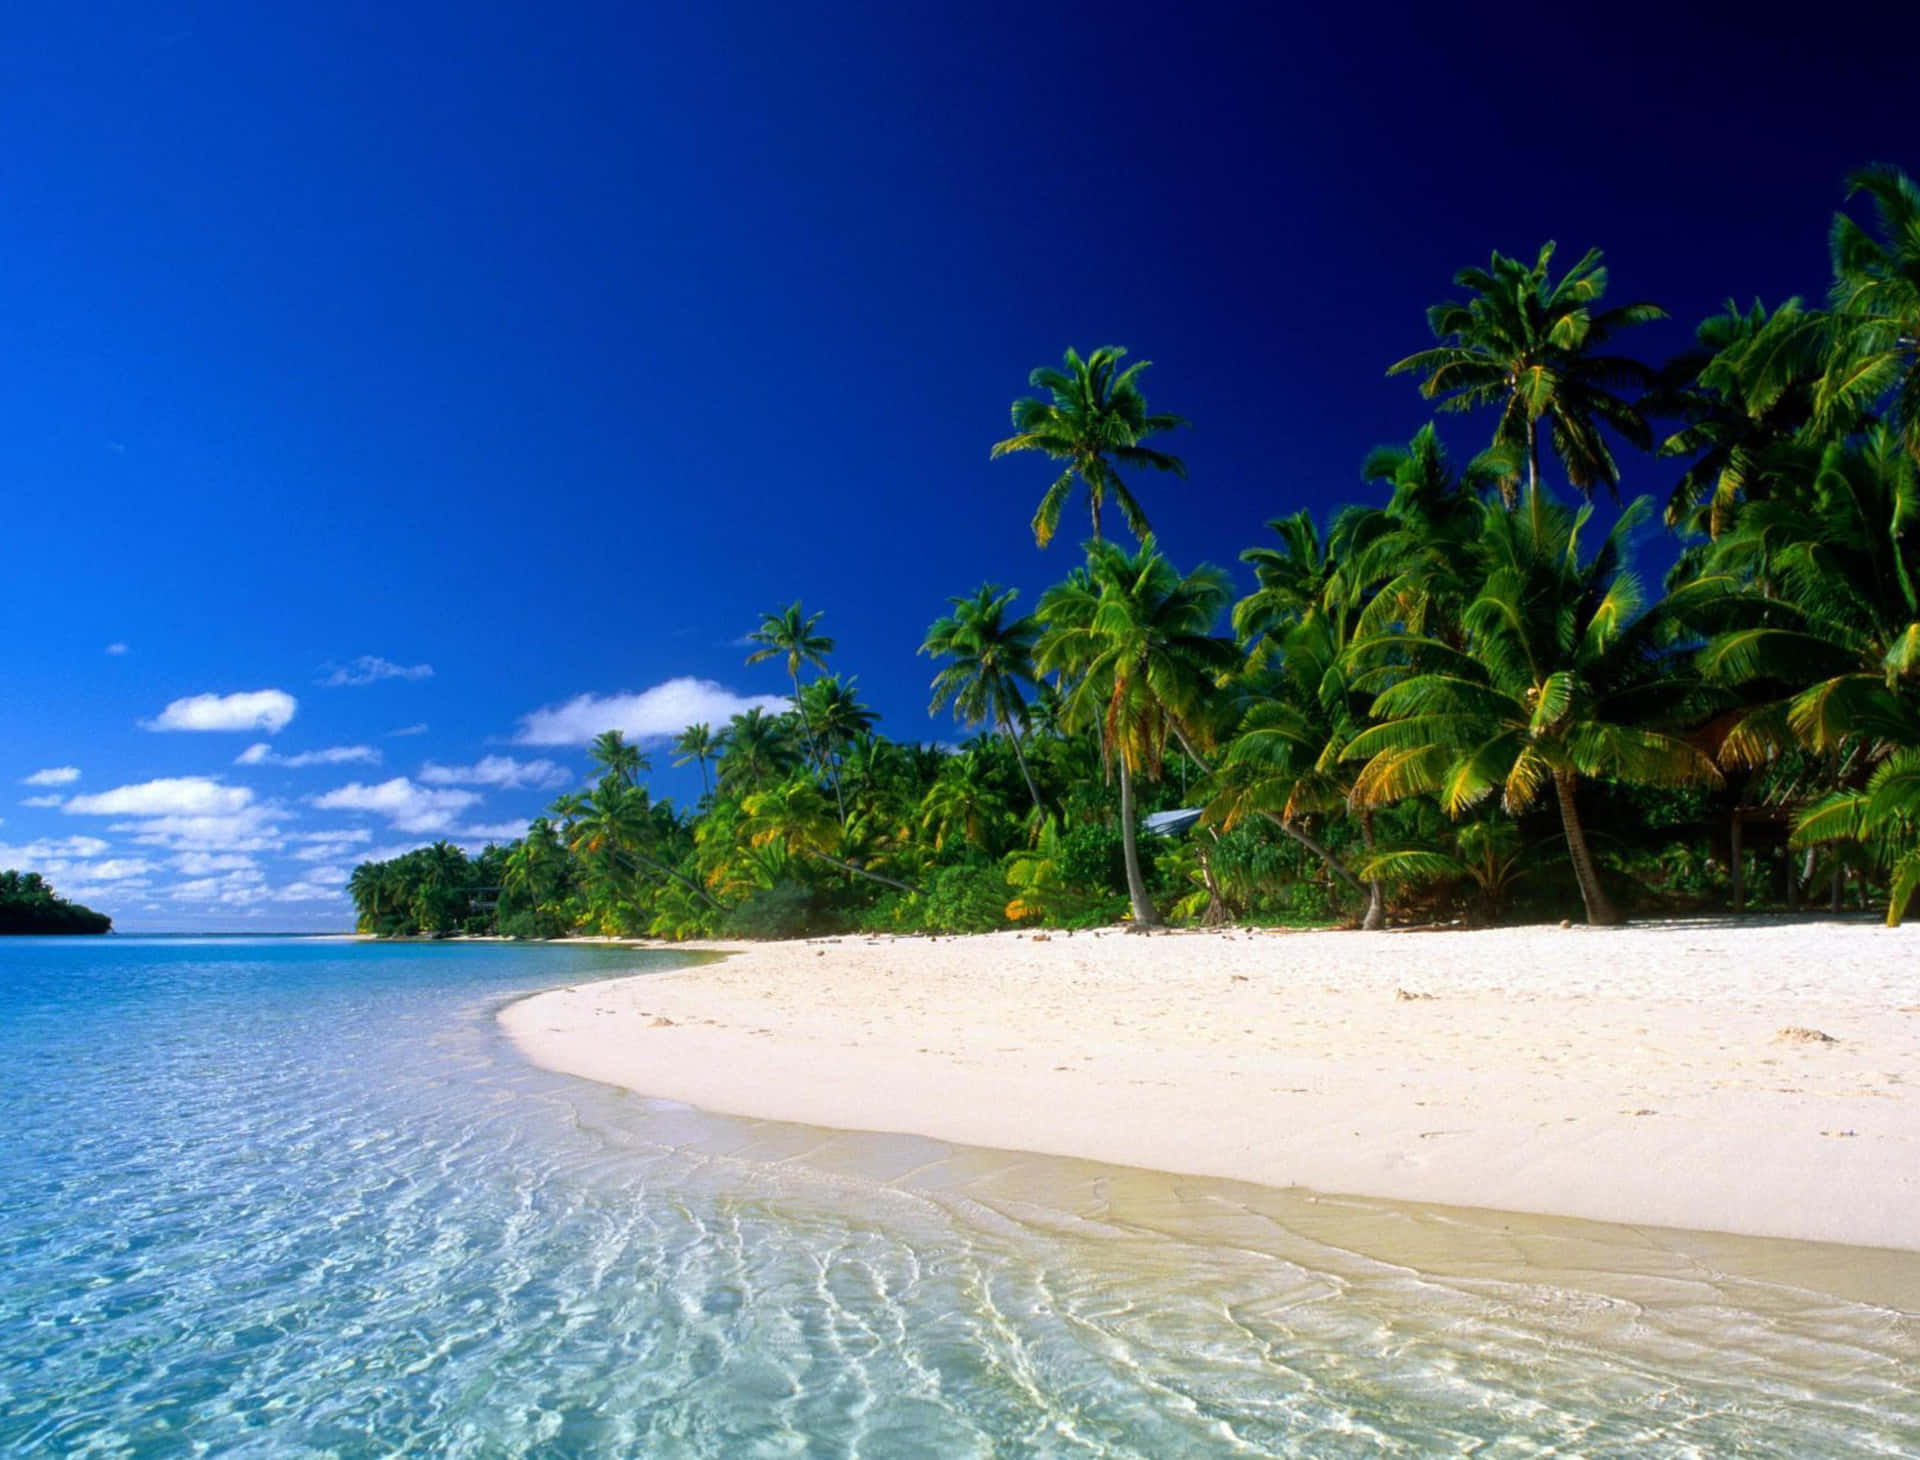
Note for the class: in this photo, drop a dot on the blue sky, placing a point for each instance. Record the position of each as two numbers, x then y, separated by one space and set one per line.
544 350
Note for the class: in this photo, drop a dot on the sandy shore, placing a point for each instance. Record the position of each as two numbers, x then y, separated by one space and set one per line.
1760 1078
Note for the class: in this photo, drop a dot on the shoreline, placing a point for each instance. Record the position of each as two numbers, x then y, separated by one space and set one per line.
1754 1079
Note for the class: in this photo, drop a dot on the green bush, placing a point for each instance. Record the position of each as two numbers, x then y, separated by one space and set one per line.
965 900
785 910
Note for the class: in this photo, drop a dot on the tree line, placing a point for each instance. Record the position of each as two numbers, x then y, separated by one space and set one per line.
1456 700
28 904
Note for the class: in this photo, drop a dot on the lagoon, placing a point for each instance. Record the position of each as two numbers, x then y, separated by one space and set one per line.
301 1197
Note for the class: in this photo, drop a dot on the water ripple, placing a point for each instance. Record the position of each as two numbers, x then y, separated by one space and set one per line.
299 1199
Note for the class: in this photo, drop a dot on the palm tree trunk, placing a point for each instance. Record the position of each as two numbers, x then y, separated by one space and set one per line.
665 871
859 871
1533 475
1143 914
1600 912
1327 858
1025 774
816 750
1376 917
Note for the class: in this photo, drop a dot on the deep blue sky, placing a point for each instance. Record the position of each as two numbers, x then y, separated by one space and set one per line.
548 347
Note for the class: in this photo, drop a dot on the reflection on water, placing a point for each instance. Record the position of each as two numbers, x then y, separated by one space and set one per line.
300 1199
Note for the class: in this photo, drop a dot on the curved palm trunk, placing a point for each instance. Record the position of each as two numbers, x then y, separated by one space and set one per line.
1143 914
859 871
1332 863
1600 912
664 870
1025 774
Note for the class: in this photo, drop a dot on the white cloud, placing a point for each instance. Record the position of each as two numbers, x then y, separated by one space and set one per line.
169 796
248 830
309 892
199 864
59 775
419 729
371 668
406 806
666 709
42 800
264 754
321 846
28 855
261 709
116 648
499 770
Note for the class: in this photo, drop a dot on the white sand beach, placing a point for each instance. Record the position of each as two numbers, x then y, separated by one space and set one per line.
1760 1078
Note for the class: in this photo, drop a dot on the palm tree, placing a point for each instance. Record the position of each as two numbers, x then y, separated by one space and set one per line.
616 826
961 803
619 761
1747 389
699 743
1884 816
795 816
1530 345
1554 683
758 748
1832 636
791 634
1094 420
1133 645
1876 307
992 658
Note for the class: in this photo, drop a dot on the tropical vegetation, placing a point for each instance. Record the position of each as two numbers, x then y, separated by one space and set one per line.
28 904
1455 700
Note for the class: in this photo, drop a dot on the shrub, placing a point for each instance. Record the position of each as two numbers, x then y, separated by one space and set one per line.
785 910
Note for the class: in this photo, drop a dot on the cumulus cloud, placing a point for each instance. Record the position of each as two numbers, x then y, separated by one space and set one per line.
42 800
168 796
59 775
371 668
666 709
261 709
199 864
499 770
262 753
116 648
324 846
407 806
249 830
28 855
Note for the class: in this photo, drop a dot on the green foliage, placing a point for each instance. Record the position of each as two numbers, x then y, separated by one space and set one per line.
1427 700
965 899
785 910
29 905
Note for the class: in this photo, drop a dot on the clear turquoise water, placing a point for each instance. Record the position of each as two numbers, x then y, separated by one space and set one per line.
294 1198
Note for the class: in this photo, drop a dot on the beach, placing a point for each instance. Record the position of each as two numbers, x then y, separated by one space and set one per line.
1756 1078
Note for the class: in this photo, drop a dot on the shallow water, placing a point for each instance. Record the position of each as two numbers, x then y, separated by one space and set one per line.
301 1198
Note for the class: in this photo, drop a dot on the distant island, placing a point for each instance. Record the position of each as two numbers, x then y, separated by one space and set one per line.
29 905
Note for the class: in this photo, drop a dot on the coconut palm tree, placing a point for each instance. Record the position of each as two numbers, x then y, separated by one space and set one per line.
1744 391
1132 643
619 761
1876 309
792 635
796 817
617 829
1531 345
759 748
699 743
1094 419
1554 683
991 666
